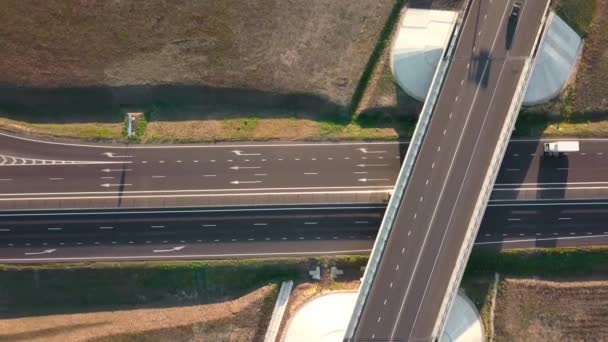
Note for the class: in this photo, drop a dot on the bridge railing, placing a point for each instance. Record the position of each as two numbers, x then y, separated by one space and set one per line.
488 183
404 173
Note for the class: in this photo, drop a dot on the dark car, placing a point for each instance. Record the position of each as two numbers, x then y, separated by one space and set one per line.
515 10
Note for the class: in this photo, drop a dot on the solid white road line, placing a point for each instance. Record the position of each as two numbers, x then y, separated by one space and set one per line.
228 255
116 170
107 185
199 195
543 239
519 185
218 210
553 188
237 182
244 167
545 202
198 190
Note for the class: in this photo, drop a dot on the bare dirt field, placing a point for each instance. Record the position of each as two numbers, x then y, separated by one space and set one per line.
591 80
539 310
82 61
242 319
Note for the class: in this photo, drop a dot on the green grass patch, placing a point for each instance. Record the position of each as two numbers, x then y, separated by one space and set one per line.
549 262
57 287
577 13
578 125
239 129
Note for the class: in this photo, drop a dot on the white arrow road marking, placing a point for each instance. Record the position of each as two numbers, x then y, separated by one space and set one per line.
372 179
240 153
107 185
364 150
116 170
174 249
47 251
371 165
113 155
244 167
245 182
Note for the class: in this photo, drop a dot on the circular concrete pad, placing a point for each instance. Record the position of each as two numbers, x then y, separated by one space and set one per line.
559 50
422 36
325 318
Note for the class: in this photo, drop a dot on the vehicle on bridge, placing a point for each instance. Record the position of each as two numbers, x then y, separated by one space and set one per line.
515 11
558 148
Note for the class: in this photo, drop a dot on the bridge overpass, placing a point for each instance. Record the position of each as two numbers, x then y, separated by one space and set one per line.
448 172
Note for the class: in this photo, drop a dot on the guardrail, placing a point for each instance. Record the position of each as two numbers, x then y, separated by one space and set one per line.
404 174
488 184
278 312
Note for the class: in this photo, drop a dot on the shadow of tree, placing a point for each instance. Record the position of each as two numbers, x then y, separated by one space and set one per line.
78 290
105 104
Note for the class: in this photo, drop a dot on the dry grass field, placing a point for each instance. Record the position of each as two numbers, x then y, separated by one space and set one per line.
85 61
242 319
538 310
592 78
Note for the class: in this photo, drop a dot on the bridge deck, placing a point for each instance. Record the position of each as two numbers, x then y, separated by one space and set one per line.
456 156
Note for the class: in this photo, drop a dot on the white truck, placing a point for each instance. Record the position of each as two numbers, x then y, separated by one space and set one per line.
558 148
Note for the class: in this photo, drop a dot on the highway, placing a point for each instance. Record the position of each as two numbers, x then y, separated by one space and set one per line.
37 174
415 272
287 173
196 233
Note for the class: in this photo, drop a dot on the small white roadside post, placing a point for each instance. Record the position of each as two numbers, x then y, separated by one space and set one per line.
129 125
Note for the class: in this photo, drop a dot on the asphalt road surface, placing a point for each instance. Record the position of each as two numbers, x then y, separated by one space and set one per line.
37 174
414 274
147 234
203 175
